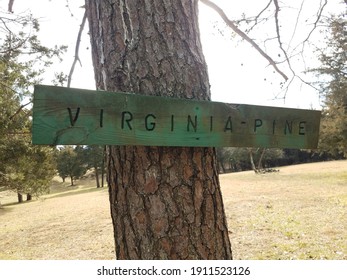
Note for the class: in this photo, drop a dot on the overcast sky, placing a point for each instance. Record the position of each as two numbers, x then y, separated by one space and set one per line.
238 74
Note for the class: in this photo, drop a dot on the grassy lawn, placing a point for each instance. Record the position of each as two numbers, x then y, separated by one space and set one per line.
297 213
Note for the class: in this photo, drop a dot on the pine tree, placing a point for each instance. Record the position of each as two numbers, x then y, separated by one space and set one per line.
23 168
166 202
71 163
333 81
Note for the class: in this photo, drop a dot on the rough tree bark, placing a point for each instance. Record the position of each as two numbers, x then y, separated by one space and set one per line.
166 202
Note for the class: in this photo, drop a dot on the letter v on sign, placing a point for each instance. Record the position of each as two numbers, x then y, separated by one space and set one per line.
73 119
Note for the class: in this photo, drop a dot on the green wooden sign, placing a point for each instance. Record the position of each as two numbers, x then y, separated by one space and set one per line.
66 116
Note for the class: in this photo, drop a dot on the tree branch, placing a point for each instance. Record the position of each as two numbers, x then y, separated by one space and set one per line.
243 35
77 49
19 110
256 18
10 6
277 10
297 22
319 15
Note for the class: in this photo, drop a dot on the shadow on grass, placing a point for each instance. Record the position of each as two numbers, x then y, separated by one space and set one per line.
64 192
15 203
5 209
75 192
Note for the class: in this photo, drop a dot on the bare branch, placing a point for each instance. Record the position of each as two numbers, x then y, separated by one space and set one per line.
315 25
319 15
77 49
10 6
263 10
19 110
258 16
297 22
243 35
277 10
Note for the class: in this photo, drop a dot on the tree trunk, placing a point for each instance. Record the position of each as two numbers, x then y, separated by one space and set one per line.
29 197
72 181
166 202
20 197
97 177
260 162
103 168
250 150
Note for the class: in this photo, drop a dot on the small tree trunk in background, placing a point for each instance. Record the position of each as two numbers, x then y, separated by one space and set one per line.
97 177
20 197
29 197
72 181
166 202
260 162
103 167
252 160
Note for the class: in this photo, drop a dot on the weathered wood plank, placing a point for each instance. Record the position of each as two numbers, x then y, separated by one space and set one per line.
74 116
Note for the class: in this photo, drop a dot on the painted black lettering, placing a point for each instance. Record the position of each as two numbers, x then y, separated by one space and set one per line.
288 127
73 119
101 117
211 123
172 122
150 125
273 127
257 123
302 128
127 120
192 123
228 125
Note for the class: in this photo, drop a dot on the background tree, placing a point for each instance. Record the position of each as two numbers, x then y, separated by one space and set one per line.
70 163
23 168
333 82
257 159
224 157
94 157
27 169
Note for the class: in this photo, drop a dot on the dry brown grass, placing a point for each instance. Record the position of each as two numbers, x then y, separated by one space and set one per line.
298 213
72 224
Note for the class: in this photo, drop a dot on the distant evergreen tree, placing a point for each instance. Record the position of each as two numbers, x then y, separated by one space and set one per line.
238 159
333 81
23 168
94 157
70 163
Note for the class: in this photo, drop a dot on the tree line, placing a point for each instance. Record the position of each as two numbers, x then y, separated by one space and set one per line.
74 162
262 160
332 86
